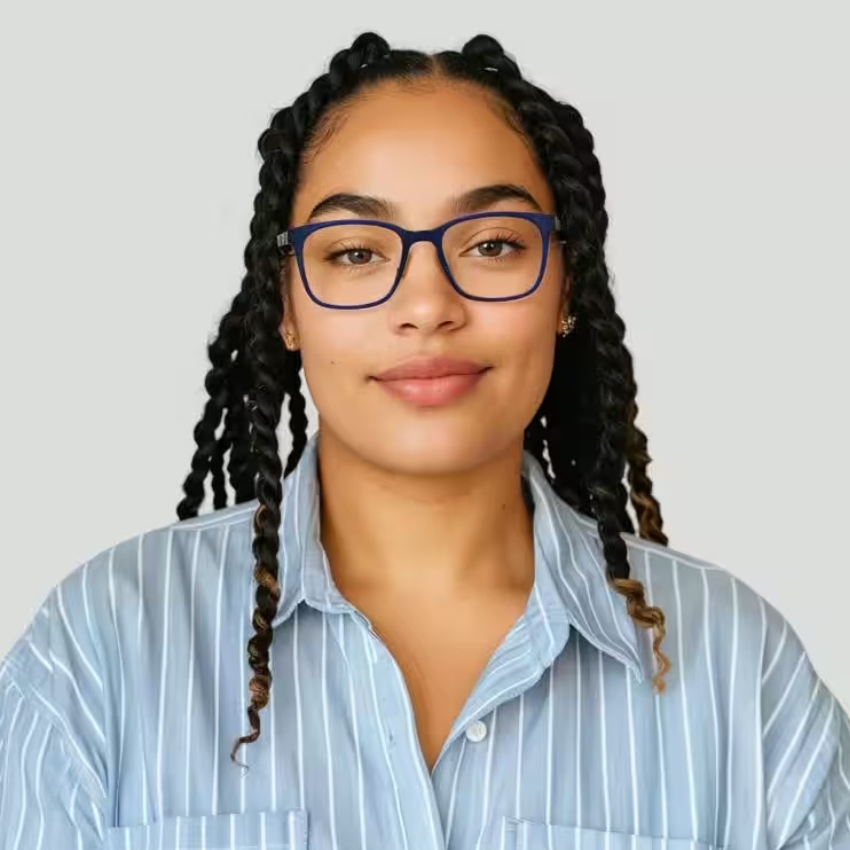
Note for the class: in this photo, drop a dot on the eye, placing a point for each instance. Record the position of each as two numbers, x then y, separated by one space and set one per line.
497 248
491 248
355 256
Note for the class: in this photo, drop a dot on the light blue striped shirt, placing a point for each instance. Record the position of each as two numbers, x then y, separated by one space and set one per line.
120 703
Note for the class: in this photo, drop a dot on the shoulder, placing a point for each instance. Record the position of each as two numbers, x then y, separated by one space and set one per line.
70 642
704 603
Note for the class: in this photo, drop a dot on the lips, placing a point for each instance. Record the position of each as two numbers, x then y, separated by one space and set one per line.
430 368
433 381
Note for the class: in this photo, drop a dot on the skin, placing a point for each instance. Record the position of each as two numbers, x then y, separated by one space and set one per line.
422 514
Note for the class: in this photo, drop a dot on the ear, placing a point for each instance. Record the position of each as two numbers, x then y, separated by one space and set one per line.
289 323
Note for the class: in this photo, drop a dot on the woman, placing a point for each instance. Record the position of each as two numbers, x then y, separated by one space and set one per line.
470 646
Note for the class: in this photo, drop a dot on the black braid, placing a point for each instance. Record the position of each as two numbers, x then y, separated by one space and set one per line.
219 377
646 507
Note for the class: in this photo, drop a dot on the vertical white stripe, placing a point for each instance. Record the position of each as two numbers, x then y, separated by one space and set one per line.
603 727
243 667
98 824
39 768
488 779
122 709
272 712
299 727
416 753
771 788
731 723
140 650
288 505
535 593
70 632
841 762
520 740
550 740
217 675
160 736
352 700
38 656
23 786
777 654
550 746
579 704
758 764
659 726
832 818
712 698
683 678
379 725
453 796
328 749
804 779
843 774
540 498
81 701
72 814
632 753
788 688
86 610
290 822
191 683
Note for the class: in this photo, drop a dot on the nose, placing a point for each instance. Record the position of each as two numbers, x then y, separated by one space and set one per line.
425 300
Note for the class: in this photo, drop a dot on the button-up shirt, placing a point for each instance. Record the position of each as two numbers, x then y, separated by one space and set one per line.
120 704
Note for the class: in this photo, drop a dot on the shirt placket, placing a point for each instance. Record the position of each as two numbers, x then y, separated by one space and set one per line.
415 801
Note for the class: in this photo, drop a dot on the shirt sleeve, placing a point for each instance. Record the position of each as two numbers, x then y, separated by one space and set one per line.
45 799
806 751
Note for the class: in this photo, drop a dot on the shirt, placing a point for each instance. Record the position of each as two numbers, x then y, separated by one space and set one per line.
120 704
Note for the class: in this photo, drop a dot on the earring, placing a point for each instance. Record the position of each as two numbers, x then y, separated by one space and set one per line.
290 341
566 325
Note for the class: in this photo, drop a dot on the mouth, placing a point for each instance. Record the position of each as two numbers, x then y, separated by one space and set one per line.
433 381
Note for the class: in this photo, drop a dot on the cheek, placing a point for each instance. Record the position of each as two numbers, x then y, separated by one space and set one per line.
529 357
334 349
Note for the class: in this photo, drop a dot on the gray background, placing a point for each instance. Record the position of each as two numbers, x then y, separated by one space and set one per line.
128 171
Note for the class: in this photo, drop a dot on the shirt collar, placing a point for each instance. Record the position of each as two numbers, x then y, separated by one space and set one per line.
570 585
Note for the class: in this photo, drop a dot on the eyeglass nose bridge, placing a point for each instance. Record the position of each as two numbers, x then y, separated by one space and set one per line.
434 236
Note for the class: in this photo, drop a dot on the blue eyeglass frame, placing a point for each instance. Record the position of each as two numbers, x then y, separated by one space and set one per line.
292 242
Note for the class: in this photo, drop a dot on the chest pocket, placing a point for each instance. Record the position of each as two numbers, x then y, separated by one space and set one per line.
534 835
285 830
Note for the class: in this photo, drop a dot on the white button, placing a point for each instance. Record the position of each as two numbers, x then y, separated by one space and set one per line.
476 731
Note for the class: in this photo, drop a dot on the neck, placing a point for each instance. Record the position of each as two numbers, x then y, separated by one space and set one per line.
427 535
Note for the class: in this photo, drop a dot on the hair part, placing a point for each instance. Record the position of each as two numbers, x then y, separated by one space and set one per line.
584 434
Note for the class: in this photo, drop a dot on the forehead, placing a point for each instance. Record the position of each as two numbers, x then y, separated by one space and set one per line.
418 147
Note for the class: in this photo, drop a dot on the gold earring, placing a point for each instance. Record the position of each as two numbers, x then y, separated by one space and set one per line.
566 325
290 340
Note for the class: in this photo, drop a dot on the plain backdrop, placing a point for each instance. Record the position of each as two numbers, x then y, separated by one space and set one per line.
127 178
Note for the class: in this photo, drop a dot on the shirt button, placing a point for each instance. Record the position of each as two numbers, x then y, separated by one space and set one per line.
476 731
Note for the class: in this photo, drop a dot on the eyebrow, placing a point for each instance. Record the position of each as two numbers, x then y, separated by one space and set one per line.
475 200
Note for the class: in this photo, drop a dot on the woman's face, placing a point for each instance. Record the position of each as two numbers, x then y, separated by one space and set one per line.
419 151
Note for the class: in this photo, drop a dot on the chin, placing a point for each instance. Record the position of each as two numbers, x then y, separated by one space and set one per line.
430 448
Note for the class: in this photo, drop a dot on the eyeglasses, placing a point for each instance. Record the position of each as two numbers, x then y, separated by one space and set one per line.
352 264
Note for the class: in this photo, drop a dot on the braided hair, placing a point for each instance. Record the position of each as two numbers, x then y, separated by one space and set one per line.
584 433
